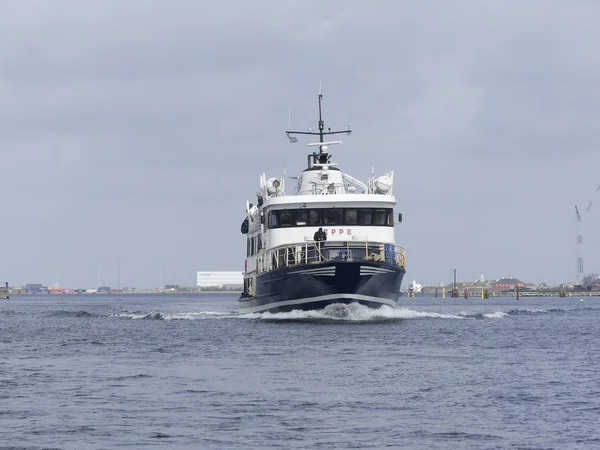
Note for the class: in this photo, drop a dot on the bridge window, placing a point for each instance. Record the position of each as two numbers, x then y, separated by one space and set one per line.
286 219
333 216
365 216
316 217
350 216
381 217
274 219
301 217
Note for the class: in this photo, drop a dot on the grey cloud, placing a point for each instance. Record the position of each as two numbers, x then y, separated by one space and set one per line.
135 129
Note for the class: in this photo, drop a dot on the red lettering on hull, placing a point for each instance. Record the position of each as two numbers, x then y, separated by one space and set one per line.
340 231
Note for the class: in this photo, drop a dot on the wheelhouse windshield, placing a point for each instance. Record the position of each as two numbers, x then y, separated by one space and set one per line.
314 217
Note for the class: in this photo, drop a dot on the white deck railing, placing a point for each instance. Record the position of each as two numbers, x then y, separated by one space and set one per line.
312 252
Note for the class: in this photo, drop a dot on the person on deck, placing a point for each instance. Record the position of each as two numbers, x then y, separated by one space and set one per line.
319 237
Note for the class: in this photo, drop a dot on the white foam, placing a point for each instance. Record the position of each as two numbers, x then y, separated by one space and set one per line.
495 315
176 315
196 315
339 311
132 315
351 312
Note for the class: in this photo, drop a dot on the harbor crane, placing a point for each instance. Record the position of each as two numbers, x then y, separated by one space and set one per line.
579 248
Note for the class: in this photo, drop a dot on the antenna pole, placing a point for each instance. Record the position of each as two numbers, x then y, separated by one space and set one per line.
321 123
321 133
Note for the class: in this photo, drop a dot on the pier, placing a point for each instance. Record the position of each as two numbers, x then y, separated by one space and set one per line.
484 293
4 290
549 294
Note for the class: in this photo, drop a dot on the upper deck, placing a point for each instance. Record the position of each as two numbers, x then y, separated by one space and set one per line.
321 196
331 200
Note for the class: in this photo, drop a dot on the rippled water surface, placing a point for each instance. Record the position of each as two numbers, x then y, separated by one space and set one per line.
188 371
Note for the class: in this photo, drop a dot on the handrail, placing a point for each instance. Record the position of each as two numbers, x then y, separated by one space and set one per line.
313 252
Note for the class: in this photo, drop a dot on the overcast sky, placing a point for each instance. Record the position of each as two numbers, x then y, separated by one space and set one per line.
136 130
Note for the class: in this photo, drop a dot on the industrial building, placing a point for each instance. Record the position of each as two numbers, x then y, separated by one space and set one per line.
220 280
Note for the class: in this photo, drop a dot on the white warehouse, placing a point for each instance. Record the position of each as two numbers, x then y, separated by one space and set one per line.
220 280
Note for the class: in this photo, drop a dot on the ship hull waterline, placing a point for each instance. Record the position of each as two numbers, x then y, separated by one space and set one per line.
314 286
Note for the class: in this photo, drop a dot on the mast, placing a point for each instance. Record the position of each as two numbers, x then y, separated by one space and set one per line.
323 154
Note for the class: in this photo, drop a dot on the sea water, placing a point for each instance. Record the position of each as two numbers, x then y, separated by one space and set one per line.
189 372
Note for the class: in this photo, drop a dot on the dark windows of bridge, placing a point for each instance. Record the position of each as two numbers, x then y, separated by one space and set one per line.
350 216
365 216
381 217
331 217
274 219
315 217
286 219
301 217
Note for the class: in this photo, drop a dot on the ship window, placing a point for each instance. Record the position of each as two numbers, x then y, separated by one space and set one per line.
350 216
248 247
301 217
315 217
365 216
286 219
273 222
333 216
381 216
330 217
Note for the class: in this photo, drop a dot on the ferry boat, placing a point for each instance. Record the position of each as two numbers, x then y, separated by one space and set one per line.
331 241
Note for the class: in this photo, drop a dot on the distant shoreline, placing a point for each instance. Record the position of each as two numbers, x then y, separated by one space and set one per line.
124 293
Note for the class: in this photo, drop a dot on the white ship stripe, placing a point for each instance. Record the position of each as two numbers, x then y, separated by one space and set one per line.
371 272
375 269
316 271
262 308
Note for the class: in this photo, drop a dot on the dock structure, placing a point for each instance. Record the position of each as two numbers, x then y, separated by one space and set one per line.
4 290
485 291
560 293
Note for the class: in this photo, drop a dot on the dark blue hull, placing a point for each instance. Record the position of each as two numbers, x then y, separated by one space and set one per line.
314 286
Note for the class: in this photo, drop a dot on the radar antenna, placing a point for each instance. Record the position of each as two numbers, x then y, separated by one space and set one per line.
321 133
